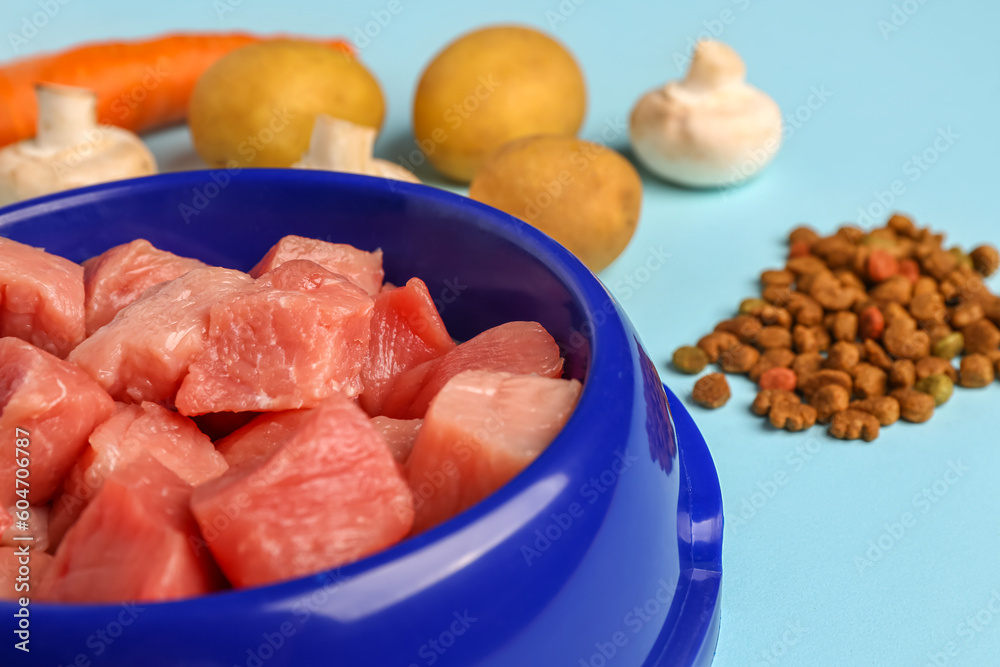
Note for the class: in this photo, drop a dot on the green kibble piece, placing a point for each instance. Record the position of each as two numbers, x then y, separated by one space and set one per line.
950 346
751 306
690 359
939 386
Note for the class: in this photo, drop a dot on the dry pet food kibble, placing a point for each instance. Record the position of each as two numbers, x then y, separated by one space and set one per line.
711 391
867 326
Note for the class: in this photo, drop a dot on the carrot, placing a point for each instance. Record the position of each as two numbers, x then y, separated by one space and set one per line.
140 85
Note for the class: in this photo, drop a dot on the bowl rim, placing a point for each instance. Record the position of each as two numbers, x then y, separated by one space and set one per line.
608 349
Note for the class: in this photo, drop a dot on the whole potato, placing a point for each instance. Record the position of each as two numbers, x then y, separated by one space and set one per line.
584 195
255 107
491 86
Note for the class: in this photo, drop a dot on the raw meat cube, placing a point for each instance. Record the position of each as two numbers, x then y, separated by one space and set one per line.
364 269
119 276
41 298
132 431
515 347
144 353
406 331
56 404
399 434
480 431
261 436
328 495
299 336
135 541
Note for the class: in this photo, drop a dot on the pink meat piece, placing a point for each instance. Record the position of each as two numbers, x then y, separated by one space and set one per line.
480 431
514 347
406 330
399 434
133 431
41 298
299 336
261 436
135 541
55 406
364 269
328 495
119 276
144 352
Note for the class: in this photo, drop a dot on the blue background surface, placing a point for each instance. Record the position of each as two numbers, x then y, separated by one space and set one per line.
817 571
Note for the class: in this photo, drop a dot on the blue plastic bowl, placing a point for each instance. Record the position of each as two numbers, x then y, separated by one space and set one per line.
605 551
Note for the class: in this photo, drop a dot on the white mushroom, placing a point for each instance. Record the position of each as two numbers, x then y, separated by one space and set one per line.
340 145
70 149
709 129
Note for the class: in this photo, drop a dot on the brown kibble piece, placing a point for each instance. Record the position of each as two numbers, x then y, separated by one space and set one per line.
843 325
966 314
792 416
805 310
843 356
976 371
928 308
738 359
829 400
902 225
835 250
924 285
806 364
782 277
775 315
895 313
903 374
777 295
939 263
869 380
810 384
854 425
876 355
903 342
897 289
884 408
985 259
810 339
914 406
768 398
717 342
711 391
804 266
745 327
774 337
803 234
981 337
934 365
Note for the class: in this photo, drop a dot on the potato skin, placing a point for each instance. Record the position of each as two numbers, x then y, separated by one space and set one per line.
491 86
255 107
584 195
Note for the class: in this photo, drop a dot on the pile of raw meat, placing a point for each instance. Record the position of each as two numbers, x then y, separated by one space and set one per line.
193 428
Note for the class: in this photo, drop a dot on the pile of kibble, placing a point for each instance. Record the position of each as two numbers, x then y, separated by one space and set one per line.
858 330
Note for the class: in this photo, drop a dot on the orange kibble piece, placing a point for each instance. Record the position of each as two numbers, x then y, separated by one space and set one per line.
871 323
910 270
778 378
881 265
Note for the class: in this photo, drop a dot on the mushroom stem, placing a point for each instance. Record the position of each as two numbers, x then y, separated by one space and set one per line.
65 115
339 145
713 66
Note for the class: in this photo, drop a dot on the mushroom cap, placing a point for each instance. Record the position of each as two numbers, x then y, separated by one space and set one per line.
109 154
710 129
